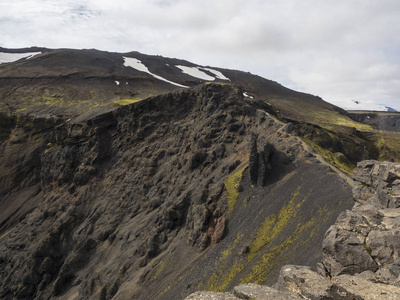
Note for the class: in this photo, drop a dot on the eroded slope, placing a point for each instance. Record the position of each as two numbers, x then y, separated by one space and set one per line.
199 188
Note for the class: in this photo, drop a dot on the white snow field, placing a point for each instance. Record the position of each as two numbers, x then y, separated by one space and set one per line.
11 57
217 74
247 95
137 64
195 72
198 73
358 105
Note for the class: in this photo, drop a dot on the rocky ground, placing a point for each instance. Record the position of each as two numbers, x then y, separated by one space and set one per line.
132 203
361 250
117 185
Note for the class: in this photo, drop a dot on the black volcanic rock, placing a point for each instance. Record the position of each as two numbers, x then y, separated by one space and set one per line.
183 189
132 198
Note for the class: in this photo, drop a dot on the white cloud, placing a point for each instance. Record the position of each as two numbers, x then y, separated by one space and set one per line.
337 49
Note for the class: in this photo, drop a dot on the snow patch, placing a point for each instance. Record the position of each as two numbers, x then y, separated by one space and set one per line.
348 104
359 105
247 95
11 57
217 74
198 72
137 64
195 72
117 82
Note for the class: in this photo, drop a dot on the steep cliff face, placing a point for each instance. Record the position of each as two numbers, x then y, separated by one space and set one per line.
199 188
361 250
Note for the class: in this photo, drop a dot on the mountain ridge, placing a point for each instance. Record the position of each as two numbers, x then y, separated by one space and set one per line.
146 190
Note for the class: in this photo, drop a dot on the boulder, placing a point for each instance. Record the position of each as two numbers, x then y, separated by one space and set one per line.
301 280
354 287
262 292
367 238
206 295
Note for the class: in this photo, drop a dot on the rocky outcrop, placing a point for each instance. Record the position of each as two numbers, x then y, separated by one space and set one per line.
299 282
361 250
259 161
367 238
155 199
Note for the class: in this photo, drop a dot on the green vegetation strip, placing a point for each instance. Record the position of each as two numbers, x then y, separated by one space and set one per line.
232 184
342 164
5 234
269 231
127 101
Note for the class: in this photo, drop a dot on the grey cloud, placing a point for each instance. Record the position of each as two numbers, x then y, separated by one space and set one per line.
337 49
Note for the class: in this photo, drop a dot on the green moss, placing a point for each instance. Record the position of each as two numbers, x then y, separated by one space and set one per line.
160 269
231 186
225 255
388 145
5 234
127 101
338 161
52 100
166 289
263 236
122 271
368 248
220 280
328 118
273 226
260 271
270 229
391 193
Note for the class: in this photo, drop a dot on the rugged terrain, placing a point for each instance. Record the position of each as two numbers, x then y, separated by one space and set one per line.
361 250
115 184
380 121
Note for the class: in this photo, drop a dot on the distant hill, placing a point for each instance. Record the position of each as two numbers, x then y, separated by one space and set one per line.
362 106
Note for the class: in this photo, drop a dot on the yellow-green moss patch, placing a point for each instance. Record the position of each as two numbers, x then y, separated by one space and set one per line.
270 229
5 234
273 225
127 101
231 185
339 162
160 269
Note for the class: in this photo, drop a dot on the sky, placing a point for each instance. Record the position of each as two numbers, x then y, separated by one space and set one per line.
340 50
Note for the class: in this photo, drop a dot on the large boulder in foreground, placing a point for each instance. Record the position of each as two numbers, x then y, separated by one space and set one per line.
367 238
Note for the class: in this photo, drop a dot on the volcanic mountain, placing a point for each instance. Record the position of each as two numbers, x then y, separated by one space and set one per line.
128 176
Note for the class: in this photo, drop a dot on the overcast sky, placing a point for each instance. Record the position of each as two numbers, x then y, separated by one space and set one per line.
336 49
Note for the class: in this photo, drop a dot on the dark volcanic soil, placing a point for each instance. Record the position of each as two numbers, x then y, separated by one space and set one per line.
195 189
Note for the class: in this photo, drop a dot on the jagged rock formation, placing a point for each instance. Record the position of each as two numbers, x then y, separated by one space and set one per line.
366 239
190 189
132 203
259 161
361 250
